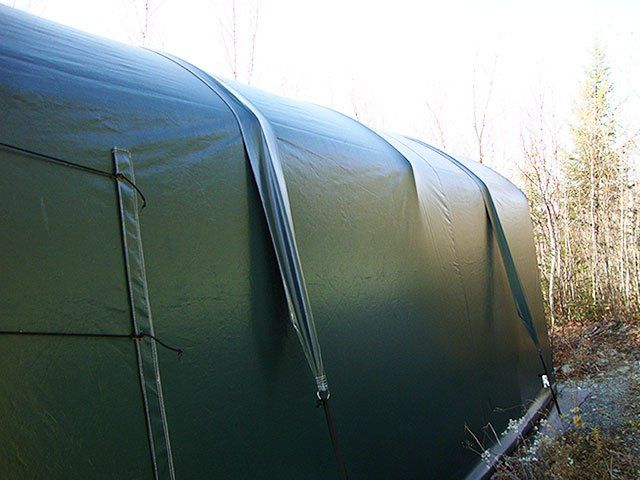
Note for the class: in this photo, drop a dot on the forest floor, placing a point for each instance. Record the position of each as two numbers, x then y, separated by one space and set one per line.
600 437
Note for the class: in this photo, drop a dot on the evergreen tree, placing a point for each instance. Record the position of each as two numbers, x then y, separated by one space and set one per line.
592 172
584 205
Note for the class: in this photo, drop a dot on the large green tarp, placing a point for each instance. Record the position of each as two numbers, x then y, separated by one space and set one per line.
412 306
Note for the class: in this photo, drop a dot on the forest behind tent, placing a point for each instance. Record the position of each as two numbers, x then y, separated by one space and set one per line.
179 250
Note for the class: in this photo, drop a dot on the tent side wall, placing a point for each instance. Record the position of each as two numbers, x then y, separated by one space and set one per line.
419 333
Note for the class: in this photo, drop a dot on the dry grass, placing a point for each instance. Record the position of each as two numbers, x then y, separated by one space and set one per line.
581 453
594 345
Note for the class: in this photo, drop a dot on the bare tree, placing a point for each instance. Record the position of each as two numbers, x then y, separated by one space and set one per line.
143 18
481 109
239 27
33 6
436 125
144 15
253 30
542 184
364 109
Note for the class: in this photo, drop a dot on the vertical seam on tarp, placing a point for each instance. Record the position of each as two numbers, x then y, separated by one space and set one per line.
389 140
141 319
383 137
449 216
273 193
515 284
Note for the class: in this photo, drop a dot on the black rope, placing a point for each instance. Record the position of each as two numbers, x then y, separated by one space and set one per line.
141 335
138 336
121 176
60 161
116 176
323 400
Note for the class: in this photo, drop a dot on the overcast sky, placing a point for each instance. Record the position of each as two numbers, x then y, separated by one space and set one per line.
395 57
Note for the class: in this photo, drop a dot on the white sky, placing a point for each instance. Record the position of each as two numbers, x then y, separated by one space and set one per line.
399 55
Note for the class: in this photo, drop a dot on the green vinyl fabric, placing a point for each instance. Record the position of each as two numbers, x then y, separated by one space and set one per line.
411 304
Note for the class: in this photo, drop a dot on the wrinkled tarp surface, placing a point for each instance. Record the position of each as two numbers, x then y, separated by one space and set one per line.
420 335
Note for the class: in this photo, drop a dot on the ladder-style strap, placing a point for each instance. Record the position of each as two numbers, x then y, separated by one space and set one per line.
142 322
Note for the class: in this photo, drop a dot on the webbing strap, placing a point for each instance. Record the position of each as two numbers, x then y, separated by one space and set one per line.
333 435
140 310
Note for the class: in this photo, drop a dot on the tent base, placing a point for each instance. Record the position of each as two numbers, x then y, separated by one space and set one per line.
539 408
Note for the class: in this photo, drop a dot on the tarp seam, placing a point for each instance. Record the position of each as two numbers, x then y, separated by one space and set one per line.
515 283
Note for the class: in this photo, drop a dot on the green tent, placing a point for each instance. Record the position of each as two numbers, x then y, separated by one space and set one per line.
190 266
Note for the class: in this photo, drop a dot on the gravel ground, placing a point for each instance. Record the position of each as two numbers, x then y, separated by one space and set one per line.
613 401
598 434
